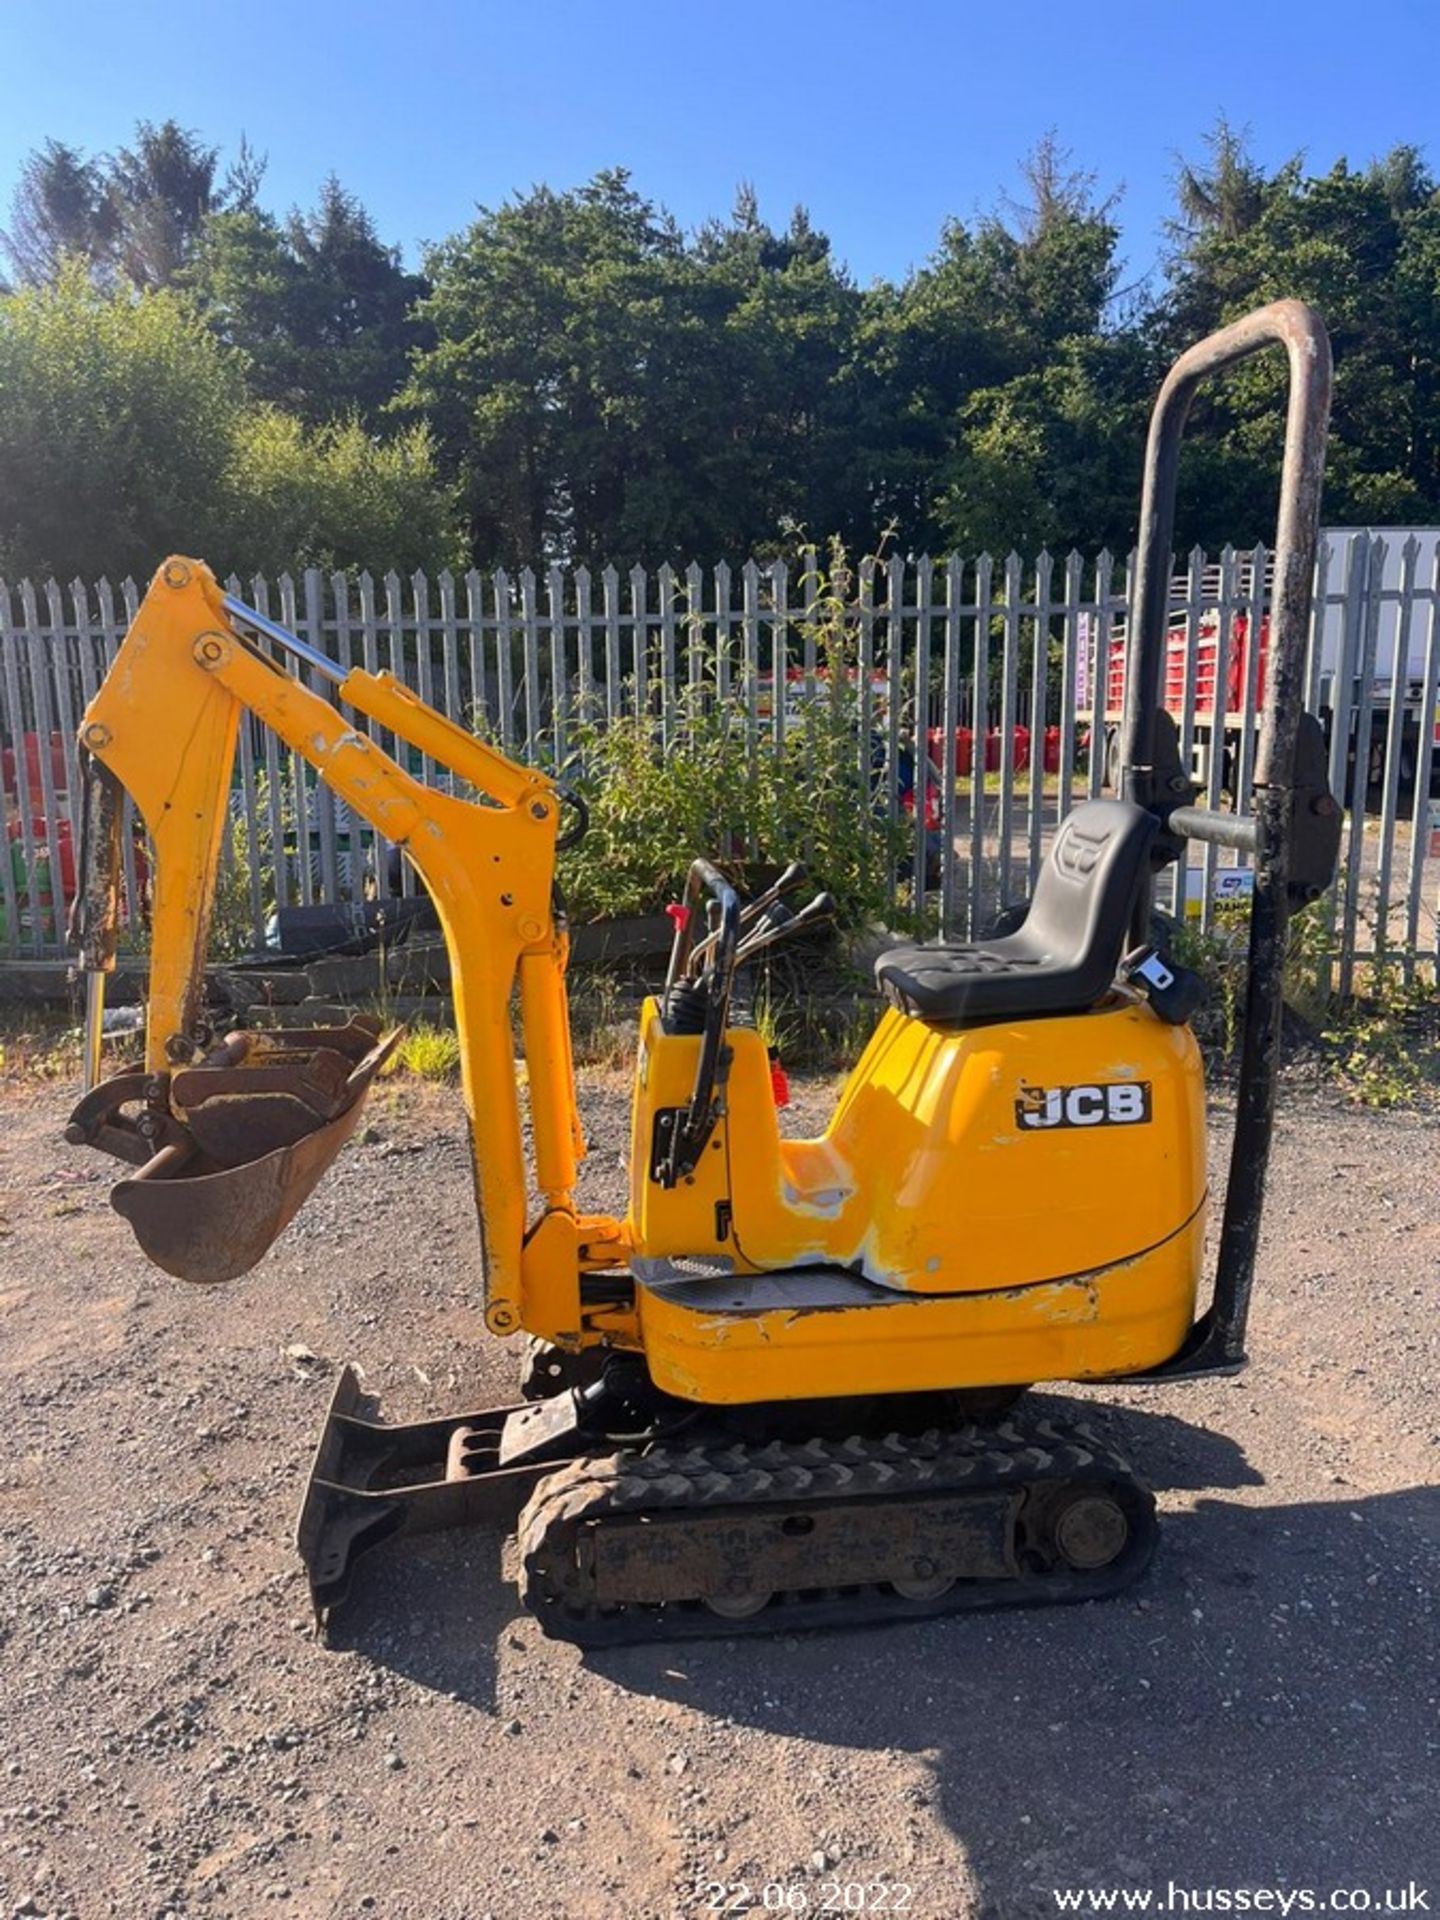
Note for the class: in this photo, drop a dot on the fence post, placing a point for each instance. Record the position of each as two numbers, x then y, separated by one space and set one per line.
750 662
780 650
980 724
1010 665
110 632
1424 763
48 933
865 673
924 609
449 647
559 665
640 636
504 678
14 728
1219 708
584 647
1069 675
694 631
894 698
1359 789
326 808
530 643
610 585
424 675
724 620
1039 695
1394 742
949 727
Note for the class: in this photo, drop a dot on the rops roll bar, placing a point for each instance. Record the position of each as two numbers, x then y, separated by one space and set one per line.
1217 1341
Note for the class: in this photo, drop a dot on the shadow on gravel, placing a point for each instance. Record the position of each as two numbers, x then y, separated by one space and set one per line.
432 1609
1260 1710
1169 1454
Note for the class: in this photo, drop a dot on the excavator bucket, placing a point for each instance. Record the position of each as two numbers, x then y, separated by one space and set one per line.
228 1151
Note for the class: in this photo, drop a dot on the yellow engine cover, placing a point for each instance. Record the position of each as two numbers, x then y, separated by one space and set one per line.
1039 1187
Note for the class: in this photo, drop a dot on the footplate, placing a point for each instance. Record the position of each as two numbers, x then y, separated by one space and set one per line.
370 1483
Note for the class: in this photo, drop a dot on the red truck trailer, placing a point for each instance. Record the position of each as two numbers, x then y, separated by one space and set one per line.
1380 611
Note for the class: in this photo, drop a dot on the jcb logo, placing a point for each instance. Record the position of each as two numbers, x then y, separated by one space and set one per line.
1121 1103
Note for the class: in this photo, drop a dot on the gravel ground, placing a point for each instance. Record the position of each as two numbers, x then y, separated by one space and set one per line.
1261 1711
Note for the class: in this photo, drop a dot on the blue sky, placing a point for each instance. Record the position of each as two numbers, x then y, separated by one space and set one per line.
882 118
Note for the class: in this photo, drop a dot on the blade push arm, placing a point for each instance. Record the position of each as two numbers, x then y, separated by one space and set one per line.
165 723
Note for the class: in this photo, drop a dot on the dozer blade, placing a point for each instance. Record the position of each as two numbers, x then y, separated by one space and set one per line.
240 1146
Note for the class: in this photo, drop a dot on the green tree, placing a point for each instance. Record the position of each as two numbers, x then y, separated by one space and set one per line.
1023 397
565 335
320 308
133 216
779 403
60 208
161 190
599 386
1364 246
117 417
351 320
605 391
244 280
1054 453
127 432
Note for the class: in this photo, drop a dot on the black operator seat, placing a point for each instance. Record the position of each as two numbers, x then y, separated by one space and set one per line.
1064 957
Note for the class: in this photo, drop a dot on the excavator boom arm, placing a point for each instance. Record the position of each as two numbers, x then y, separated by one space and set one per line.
164 724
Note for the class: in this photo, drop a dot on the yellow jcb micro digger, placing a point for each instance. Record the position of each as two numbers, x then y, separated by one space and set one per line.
763 1389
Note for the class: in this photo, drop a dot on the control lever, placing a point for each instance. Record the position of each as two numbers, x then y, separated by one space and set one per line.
776 928
761 904
791 877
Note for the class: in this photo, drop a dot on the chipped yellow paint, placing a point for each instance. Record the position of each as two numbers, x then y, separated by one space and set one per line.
1011 1255
1123 1321
922 1181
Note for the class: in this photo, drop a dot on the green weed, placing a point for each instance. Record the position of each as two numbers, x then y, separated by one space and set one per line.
429 1053
1385 1041
602 1026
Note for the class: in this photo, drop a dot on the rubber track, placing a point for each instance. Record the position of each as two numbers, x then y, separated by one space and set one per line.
968 1460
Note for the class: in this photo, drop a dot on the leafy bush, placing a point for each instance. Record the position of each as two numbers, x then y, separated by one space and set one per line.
654 807
1222 959
1385 1042
653 810
117 418
334 496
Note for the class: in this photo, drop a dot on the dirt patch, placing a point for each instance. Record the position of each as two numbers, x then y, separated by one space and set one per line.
1262 1711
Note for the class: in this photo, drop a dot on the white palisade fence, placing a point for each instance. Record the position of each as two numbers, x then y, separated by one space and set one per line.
1016 665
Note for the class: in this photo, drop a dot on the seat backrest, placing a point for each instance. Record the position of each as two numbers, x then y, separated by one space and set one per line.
1085 894
1064 955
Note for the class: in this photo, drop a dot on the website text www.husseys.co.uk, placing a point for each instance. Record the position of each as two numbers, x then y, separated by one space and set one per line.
1284 1901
